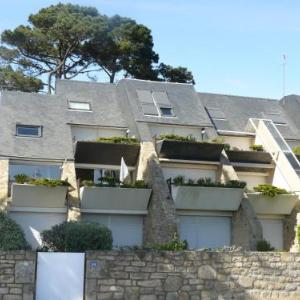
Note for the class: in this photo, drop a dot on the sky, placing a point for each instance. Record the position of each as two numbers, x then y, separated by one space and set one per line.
232 47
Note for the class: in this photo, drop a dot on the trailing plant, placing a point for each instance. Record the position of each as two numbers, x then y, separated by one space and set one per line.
207 182
11 235
22 179
139 184
270 190
264 246
174 245
77 237
256 147
118 140
175 137
296 150
87 183
298 234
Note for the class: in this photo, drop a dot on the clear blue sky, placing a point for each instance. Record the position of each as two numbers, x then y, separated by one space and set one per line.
231 46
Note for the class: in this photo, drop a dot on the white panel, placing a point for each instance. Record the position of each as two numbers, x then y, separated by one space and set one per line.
178 130
273 232
240 142
34 223
280 180
126 230
91 134
60 276
252 180
205 232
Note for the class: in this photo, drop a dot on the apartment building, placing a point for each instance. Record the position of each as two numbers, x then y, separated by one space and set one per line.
193 183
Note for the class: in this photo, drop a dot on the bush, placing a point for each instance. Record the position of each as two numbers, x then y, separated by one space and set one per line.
257 147
12 235
77 237
21 178
270 190
264 246
175 137
296 150
298 234
118 140
174 245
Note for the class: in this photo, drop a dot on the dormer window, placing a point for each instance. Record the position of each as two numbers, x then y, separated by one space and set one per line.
166 111
28 130
81 106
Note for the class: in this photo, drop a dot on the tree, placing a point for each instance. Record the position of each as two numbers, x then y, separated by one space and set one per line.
126 47
178 74
53 42
17 80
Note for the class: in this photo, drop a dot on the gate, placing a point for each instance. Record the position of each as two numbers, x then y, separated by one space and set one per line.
60 276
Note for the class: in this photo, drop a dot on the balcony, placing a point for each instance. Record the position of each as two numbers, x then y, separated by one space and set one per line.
114 200
37 196
208 198
253 157
101 153
188 150
278 205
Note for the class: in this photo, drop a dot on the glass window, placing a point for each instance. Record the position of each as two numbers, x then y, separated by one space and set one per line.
79 105
29 130
34 171
166 111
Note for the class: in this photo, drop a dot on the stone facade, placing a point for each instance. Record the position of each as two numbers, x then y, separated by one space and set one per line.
150 275
4 179
290 224
17 275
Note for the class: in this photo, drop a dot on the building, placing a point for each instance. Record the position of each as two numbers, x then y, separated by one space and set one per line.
55 137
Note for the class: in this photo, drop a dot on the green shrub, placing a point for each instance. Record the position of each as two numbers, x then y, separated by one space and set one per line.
21 178
298 234
87 183
264 246
270 190
118 140
174 245
296 150
257 147
11 235
179 180
236 184
175 137
76 237
139 184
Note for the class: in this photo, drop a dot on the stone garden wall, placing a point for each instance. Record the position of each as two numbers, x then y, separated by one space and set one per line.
153 275
189 275
17 275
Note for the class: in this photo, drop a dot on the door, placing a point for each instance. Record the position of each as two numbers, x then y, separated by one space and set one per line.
60 276
205 232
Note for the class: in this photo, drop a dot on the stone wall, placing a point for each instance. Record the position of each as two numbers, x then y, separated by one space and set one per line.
4 170
17 275
149 275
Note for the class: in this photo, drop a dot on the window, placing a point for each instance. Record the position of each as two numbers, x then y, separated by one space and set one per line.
166 111
75 105
29 130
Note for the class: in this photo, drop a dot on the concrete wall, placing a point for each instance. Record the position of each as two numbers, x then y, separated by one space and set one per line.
4 176
81 133
149 275
240 142
17 275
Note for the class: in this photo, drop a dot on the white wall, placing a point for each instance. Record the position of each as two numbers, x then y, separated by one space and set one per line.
253 179
241 142
280 180
273 232
81 133
157 130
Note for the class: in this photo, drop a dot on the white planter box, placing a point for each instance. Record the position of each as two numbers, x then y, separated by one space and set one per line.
109 199
208 198
27 195
278 205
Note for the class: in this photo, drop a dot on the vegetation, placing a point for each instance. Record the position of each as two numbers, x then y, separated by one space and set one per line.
181 181
114 182
76 237
296 150
174 245
264 246
179 138
23 178
256 147
269 190
118 140
66 40
298 234
12 235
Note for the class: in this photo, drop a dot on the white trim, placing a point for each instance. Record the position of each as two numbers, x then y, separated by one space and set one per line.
96 166
37 209
277 217
250 165
32 162
196 162
97 126
252 173
203 213
155 82
116 212
235 132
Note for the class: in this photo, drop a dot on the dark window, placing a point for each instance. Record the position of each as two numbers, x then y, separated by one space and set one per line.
166 111
29 130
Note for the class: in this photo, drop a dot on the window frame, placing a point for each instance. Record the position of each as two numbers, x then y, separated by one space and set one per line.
39 127
79 109
166 115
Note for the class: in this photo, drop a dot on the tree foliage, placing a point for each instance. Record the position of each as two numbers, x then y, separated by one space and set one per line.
66 40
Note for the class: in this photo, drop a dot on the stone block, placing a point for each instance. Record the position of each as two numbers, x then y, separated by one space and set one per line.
172 283
207 272
24 271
